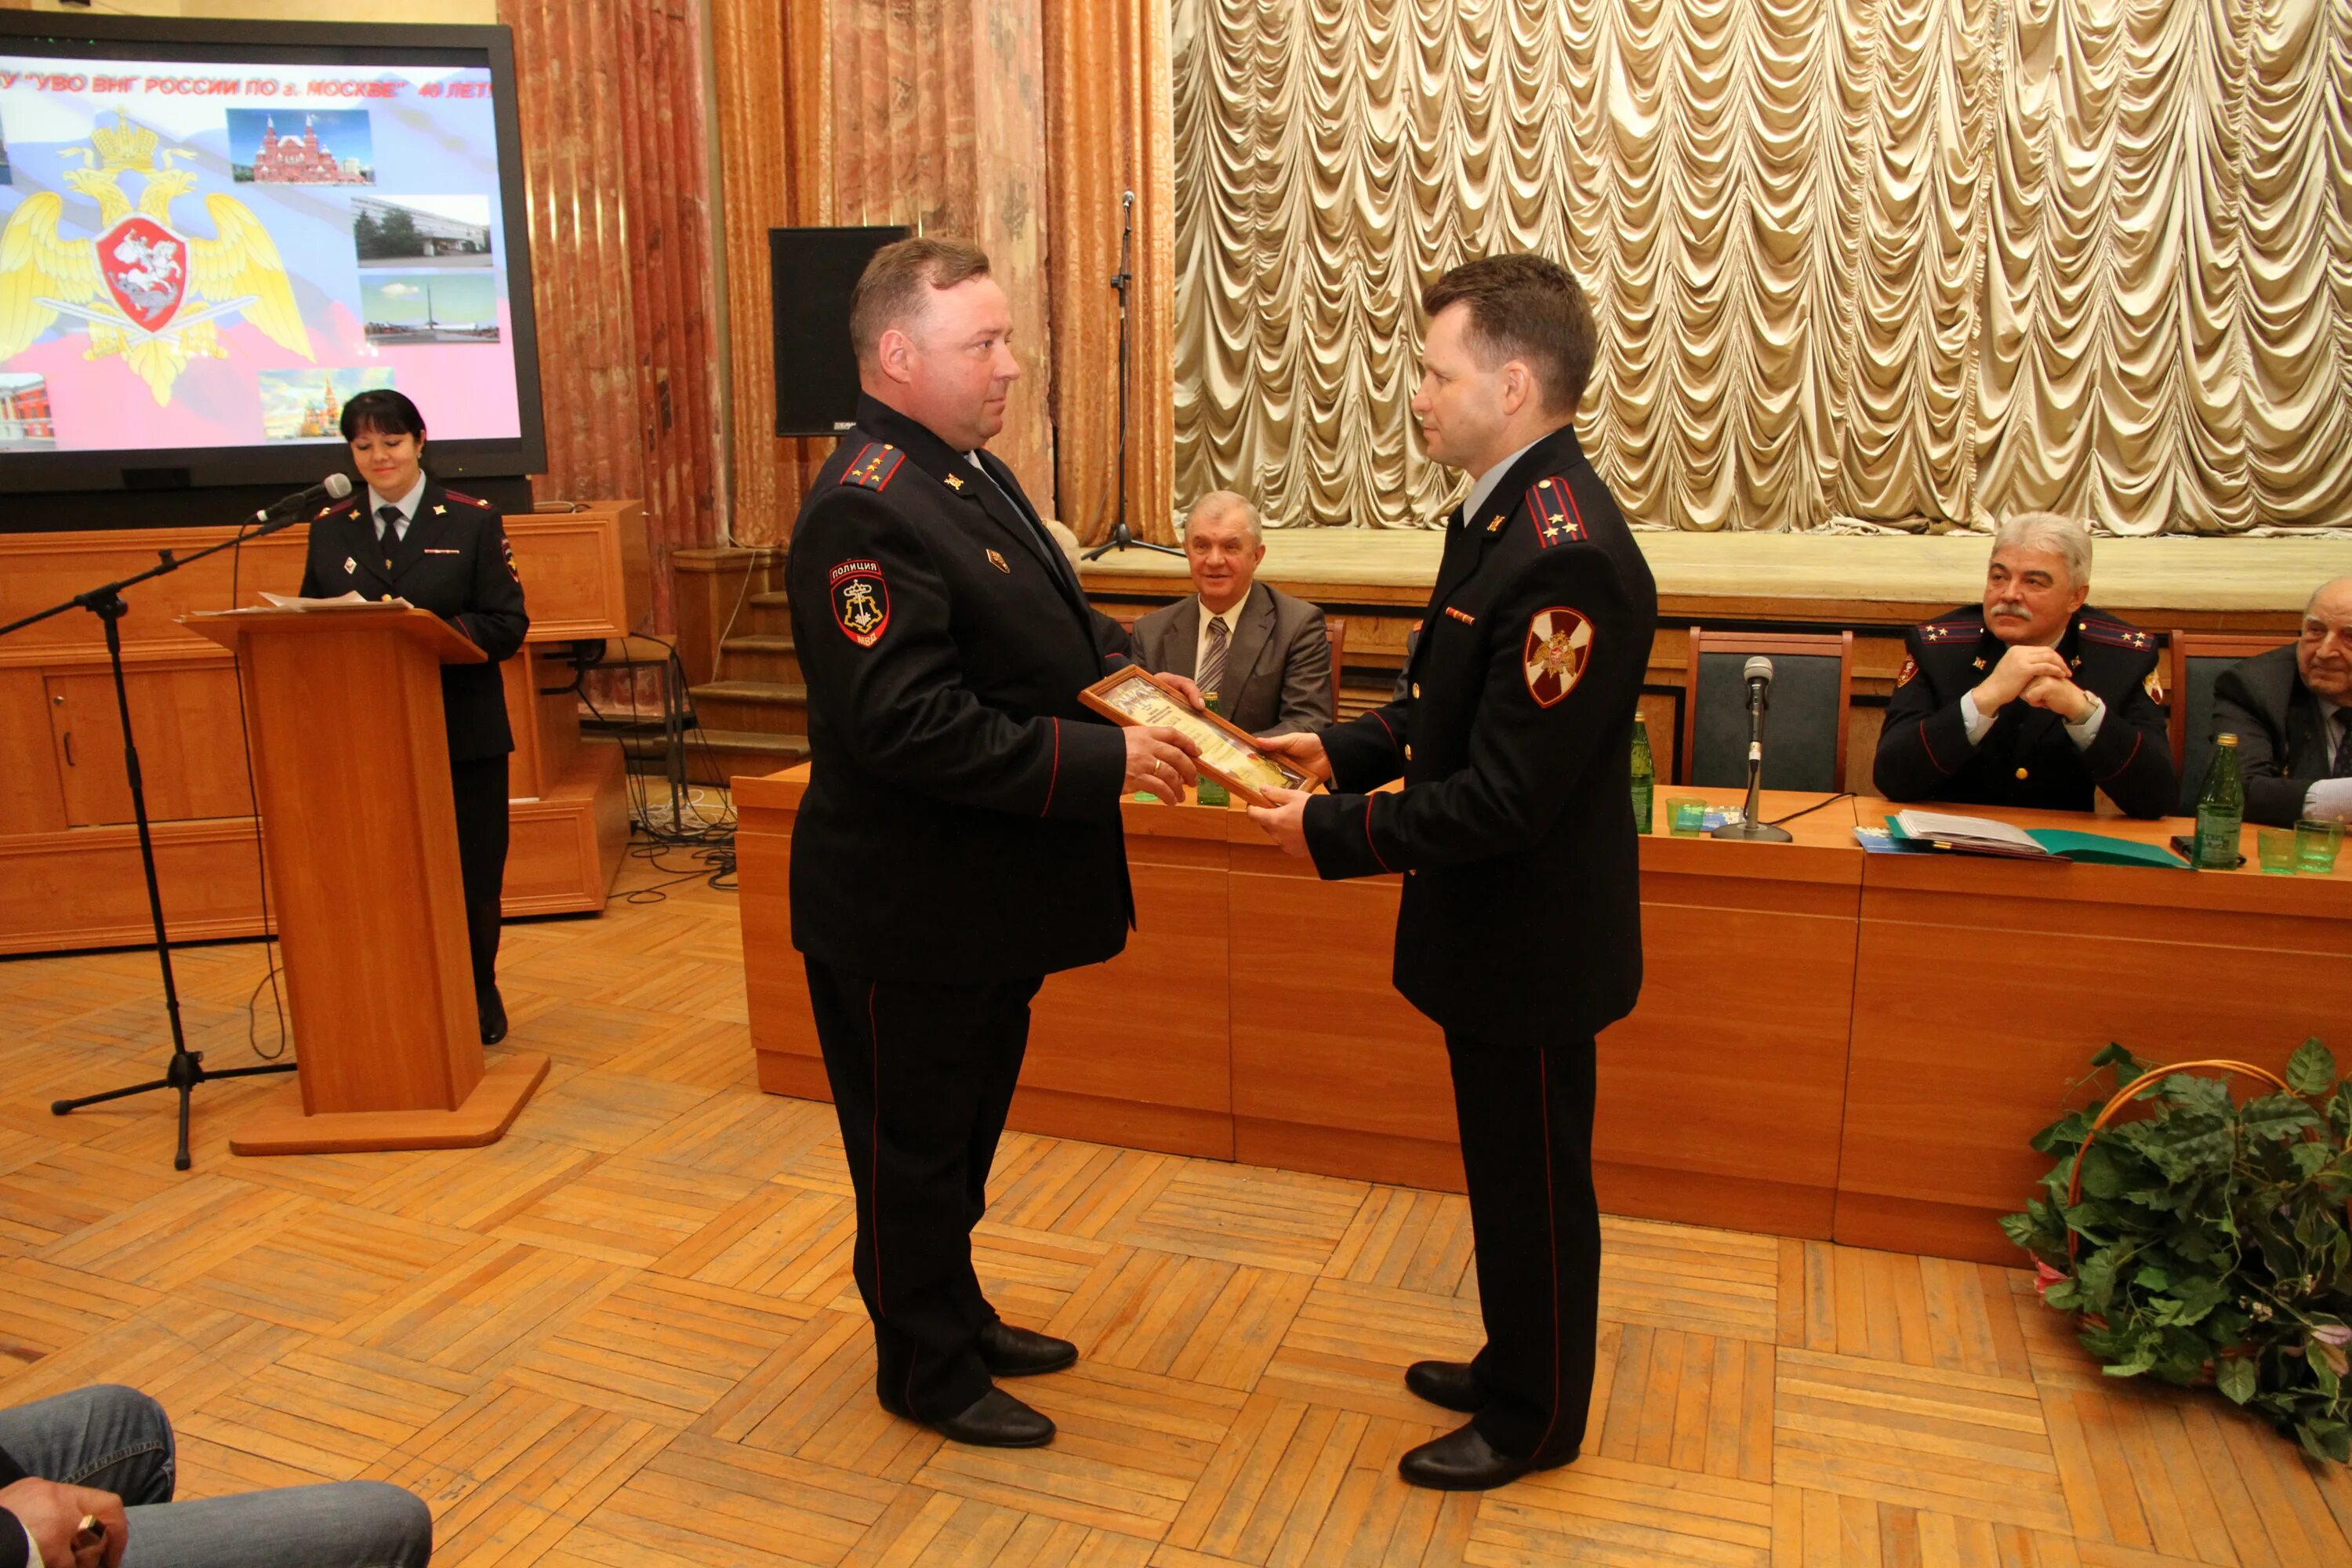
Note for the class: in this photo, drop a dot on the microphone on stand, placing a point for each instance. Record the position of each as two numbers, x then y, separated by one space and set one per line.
289 510
1758 674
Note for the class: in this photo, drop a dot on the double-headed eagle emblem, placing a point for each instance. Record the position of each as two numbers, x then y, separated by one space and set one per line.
146 291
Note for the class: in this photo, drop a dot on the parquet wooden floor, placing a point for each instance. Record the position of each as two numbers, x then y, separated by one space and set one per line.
627 1334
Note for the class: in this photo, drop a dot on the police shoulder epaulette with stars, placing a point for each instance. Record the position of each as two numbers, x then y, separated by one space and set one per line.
1952 629
874 466
1552 508
462 498
2114 634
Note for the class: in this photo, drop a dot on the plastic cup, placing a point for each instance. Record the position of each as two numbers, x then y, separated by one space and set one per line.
2276 846
2315 843
1686 816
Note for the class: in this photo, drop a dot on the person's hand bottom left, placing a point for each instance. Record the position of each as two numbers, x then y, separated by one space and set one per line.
52 1514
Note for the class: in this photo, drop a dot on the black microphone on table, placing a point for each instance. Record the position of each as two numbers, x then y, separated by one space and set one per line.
1758 674
286 511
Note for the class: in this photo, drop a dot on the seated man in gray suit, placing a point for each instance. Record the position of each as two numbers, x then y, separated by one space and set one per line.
1261 653
2291 709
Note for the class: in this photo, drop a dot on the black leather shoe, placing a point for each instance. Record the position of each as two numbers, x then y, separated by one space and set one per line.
996 1420
1447 1384
1464 1461
1020 1352
493 1009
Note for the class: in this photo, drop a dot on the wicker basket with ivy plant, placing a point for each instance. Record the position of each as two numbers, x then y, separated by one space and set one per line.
2206 1242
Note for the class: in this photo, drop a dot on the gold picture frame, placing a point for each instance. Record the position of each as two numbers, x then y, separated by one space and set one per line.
1134 695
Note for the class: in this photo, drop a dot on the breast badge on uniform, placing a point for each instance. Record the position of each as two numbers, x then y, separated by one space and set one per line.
861 601
998 562
1559 647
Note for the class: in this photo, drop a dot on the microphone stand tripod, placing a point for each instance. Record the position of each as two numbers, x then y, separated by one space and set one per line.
1747 826
186 1068
1122 537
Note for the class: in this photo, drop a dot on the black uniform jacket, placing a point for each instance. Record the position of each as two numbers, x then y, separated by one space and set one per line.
961 822
2025 759
454 561
2280 749
1522 911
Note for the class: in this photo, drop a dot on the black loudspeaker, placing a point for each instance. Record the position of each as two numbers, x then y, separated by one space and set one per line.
810 272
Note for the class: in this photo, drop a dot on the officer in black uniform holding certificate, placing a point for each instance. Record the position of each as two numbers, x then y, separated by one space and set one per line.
959 839
1520 930
410 537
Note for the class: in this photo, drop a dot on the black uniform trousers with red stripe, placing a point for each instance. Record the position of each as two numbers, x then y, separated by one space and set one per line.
1525 1111
923 1078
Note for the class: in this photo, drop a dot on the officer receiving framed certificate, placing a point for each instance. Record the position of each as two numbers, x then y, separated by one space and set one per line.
1228 754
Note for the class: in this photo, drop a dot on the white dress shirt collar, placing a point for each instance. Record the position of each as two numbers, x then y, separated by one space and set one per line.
407 506
1475 502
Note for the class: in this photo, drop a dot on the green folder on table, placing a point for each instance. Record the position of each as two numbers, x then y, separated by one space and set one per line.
1985 835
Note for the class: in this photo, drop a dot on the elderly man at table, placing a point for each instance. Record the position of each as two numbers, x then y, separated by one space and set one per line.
1261 653
2033 698
2291 709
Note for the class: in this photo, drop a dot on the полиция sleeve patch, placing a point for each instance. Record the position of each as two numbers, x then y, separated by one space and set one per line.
1559 647
861 601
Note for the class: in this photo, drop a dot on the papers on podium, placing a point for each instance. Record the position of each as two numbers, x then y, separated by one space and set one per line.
351 601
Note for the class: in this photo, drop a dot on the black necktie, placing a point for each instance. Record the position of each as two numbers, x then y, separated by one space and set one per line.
390 517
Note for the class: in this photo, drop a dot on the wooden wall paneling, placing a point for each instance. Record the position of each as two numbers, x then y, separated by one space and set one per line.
184 718
85 887
586 574
32 786
584 577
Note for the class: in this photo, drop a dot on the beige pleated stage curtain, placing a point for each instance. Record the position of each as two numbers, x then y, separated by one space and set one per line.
1854 261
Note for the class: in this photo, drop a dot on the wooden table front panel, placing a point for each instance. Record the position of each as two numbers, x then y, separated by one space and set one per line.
1333 1071
1984 987
1720 1097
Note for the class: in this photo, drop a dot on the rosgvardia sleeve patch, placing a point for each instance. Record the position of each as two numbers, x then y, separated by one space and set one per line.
861 601
1558 650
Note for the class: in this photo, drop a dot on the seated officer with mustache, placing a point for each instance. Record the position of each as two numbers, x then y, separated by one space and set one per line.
2033 700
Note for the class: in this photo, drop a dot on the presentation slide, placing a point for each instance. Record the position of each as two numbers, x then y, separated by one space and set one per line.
213 255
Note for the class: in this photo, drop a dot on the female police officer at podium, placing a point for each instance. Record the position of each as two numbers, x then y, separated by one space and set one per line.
411 538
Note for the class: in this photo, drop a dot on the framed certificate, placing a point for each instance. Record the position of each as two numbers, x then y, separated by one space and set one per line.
1229 755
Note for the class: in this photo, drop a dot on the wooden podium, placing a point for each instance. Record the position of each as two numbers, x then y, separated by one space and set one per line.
352 770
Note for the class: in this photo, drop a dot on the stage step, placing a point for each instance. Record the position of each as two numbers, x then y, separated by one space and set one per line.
716 756
769 614
765 707
760 656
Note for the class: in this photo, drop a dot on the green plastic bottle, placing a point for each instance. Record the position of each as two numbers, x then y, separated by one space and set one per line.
1646 776
2220 808
1211 793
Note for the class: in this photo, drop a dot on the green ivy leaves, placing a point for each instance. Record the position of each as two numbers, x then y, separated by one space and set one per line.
2210 1242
